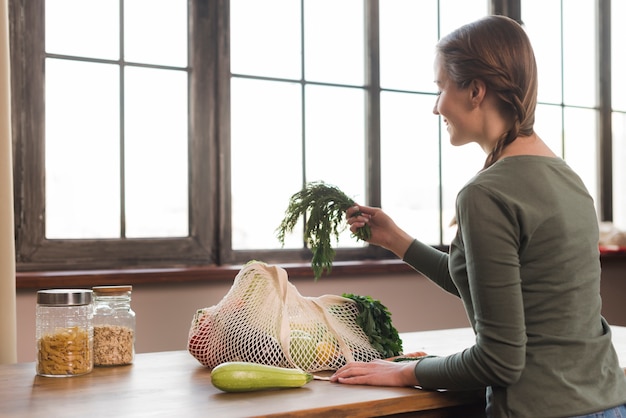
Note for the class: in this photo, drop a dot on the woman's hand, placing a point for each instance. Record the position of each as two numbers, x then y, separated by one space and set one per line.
385 232
377 373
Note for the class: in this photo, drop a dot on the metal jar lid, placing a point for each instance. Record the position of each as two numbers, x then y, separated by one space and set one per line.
66 297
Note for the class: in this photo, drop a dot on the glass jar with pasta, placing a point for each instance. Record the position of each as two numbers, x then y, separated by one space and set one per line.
64 332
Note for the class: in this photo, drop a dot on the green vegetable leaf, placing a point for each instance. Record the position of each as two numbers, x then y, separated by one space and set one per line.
323 207
375 320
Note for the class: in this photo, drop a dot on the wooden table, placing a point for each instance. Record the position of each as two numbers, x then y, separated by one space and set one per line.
449 341
173 384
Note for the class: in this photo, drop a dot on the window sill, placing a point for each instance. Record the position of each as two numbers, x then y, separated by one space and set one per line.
177 275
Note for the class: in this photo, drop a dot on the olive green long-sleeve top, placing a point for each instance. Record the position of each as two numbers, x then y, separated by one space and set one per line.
525 262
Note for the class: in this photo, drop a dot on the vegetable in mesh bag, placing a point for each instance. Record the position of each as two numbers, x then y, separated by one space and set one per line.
375 320
323 206
263 319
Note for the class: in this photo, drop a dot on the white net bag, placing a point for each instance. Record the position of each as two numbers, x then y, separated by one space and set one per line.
264 319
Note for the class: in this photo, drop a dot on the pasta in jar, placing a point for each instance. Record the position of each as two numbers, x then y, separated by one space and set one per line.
66 352
64 334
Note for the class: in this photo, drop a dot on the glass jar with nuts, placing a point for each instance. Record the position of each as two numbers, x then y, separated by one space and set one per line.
113 326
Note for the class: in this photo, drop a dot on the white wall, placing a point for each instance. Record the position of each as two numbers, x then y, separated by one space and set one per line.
164 312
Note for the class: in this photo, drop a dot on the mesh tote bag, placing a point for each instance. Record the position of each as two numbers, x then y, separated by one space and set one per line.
264 319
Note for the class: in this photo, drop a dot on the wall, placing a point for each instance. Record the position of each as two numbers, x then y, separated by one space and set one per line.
614 291
164 312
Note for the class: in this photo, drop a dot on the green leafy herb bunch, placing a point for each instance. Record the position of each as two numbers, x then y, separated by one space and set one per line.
323 206
375 320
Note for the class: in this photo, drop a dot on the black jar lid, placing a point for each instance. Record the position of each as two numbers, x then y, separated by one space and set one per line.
67 297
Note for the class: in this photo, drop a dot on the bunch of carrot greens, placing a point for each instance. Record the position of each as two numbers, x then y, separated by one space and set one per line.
322 206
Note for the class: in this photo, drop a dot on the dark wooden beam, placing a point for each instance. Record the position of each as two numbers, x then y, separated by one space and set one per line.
510 8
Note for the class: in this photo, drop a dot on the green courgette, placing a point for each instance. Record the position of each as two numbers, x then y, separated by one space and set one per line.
239 376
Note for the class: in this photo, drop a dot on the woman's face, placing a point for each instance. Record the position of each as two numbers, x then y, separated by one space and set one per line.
455 107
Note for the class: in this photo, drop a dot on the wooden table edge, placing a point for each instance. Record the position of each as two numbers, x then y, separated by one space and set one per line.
424 400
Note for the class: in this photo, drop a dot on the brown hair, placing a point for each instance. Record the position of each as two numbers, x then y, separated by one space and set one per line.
496 50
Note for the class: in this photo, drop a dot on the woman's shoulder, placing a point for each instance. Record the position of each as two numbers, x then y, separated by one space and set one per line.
519 168
528 160
521 174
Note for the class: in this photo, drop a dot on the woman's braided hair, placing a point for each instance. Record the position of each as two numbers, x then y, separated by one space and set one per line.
496 50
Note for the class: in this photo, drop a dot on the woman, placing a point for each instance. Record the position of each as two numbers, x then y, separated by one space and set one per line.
525 259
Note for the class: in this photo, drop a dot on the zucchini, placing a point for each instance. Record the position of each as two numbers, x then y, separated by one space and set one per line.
241 376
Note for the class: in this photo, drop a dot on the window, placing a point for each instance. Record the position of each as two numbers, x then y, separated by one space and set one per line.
583 117
116 114
212 115
112 130
563 36
310 62
617 12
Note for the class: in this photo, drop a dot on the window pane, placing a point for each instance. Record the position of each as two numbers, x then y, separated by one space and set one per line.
542 22
265 38
334 41
408 34
335 141
407 122
410 152
618 58
266 160
456 13
155 32
578 73
549 127
95 21
581 146
156 153
458 166
579 53
619 170
575 77
82 150
406 64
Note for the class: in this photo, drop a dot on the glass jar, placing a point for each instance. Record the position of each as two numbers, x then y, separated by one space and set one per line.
64 332
114 326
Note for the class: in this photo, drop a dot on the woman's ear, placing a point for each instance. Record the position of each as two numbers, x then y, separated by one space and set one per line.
478 91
